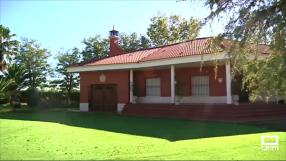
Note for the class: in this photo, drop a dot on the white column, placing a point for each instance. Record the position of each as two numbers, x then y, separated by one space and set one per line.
228 83
172 84
131 85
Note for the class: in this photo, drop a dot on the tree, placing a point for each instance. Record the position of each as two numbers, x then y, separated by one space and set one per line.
67 81
98 47
4 88
145 42
252 22
95 47
11 82
165 30
16 75
34 59
8 46
131 42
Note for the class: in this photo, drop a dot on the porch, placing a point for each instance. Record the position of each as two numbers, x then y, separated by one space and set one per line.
209 112
181 83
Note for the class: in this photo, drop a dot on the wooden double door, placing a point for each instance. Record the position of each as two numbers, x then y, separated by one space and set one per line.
103 97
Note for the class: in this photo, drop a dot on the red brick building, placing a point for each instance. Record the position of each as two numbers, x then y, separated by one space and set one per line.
167 74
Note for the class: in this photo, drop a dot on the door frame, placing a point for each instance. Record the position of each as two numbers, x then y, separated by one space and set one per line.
91 107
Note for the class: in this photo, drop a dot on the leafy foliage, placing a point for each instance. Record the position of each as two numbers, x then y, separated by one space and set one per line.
145 42
252 22
95 47
4 88
165 30
8 46
17 74
263 20
67 81
34 59
266 77
131 42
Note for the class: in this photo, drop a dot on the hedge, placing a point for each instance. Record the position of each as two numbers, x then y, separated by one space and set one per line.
48 98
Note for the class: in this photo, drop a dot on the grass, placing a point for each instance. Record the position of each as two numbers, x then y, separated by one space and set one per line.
60 135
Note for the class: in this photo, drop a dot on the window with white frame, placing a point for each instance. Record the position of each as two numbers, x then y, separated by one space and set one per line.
200 86
153 87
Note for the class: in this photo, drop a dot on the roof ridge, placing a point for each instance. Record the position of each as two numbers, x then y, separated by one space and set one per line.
207 37
179 43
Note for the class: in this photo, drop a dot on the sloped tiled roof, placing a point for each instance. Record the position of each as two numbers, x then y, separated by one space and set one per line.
133 57
193 47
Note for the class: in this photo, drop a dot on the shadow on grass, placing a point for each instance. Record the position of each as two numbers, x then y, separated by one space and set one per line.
170 129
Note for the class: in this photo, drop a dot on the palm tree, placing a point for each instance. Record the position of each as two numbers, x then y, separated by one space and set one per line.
8 46
4 86
16 76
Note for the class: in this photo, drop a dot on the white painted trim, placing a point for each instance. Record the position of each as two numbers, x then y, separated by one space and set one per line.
153 63
203 99
131 85
154 99
228 82
172 84
83 107
120 107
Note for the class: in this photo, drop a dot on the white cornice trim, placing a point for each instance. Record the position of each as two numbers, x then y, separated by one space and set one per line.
153 63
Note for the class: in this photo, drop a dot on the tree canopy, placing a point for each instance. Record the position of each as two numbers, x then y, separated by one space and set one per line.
131 42
255 22
165 30
67 81
34 59
95 47
8 46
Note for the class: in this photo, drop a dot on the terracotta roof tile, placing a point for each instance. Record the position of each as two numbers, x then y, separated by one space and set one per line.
192 47
195 47
125 58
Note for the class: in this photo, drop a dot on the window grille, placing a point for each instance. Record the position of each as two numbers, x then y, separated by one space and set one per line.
200 86
153 87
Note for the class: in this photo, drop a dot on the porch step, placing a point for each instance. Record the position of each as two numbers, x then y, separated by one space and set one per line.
207 112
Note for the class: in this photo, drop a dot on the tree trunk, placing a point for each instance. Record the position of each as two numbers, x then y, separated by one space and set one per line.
1 56
69 90
69 95
69 100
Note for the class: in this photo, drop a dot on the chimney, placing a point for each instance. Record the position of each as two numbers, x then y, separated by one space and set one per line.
114 43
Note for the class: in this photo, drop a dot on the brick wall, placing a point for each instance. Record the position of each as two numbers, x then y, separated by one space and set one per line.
183 77
121 78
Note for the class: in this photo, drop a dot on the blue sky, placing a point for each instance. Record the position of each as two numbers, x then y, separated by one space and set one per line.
64 24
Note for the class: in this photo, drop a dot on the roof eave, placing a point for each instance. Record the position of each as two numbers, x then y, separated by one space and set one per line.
153 63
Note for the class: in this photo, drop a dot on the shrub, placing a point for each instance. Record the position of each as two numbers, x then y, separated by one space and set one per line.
49 99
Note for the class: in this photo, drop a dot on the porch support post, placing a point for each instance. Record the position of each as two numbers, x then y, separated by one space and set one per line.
131 85
172 84
228 83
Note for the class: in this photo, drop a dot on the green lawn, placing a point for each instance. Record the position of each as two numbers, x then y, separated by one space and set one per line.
73 135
